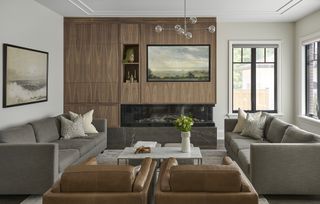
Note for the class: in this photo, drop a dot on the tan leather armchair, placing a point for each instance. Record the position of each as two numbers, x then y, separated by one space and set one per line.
204 184
103 184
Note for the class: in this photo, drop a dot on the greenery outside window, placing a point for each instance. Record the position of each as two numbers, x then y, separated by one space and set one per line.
312 66
254 78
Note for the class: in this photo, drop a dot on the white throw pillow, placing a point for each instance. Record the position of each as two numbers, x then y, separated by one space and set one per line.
71 129
87 121
241 121
254 125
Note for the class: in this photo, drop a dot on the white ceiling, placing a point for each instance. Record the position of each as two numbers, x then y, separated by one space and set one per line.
224 10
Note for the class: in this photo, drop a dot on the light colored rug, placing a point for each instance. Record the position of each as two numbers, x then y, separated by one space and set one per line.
110 157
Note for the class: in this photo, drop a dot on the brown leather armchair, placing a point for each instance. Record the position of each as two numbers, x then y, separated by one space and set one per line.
103 184
204 184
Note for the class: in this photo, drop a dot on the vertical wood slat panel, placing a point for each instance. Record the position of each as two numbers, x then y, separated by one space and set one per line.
91 69
130 33
91 92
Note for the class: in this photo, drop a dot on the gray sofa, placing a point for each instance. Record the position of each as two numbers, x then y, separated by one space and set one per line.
285 161
33 155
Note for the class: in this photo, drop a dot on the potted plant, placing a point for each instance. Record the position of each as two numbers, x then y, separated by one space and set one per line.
184 124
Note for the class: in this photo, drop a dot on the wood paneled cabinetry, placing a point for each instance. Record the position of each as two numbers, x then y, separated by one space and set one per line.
91 71
101 74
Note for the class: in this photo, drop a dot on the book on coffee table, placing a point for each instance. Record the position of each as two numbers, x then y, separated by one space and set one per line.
145 144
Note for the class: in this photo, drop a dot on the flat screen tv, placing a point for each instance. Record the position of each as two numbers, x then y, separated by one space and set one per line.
178 63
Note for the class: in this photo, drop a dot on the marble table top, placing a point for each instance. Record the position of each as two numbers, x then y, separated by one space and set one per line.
161 153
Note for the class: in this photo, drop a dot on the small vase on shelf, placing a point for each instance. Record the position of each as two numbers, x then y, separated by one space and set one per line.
185 141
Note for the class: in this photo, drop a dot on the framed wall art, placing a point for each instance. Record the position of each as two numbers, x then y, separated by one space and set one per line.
25 76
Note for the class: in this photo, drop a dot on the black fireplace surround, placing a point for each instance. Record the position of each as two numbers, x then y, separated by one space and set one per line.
147 115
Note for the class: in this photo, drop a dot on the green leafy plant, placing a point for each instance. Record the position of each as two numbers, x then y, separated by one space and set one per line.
184 123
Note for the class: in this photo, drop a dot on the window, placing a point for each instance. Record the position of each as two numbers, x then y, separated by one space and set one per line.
254 77
312 78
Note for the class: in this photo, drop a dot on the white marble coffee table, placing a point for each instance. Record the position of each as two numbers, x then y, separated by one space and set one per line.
160 153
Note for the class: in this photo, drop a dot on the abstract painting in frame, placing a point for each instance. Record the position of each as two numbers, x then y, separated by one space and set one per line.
25 76
178 63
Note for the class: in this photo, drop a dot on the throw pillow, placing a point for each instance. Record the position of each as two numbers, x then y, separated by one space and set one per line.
241 121
87 121
71 129
294 134
254 125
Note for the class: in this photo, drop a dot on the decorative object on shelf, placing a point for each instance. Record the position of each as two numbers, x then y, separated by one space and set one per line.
142 149
129 56
183 30
184 124
131 78
25 76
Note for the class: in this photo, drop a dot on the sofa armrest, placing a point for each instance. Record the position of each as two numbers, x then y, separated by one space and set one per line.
229 124
100 124
28 168
285 168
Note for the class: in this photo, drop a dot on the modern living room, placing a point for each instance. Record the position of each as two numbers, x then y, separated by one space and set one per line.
146 101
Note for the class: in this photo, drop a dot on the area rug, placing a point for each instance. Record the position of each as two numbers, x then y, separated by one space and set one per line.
110 157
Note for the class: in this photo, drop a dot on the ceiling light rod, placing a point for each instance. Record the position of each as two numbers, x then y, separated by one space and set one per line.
184 31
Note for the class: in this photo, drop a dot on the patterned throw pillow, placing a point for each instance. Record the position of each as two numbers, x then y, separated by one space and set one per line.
254 125
87 121
71 129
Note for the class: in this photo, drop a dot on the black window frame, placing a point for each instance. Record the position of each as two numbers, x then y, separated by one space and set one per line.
253 77
307 79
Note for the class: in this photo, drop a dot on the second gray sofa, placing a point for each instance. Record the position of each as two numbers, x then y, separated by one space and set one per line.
33 155
285 161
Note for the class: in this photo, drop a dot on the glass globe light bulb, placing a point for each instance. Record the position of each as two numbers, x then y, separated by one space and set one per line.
188 35
158 28
181 31
193 20
212 29
177 28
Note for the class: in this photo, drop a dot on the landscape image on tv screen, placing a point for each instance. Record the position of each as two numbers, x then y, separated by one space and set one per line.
178 63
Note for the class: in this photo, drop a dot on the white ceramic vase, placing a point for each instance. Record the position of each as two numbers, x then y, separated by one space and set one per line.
185 141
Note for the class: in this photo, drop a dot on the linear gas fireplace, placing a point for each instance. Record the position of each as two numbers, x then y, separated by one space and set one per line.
164 115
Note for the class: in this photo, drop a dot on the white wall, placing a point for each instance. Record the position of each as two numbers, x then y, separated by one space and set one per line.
28 24
226 31
307 28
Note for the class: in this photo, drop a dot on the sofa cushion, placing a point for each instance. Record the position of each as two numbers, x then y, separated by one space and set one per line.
97 137
20 134
97 178
244 160
165 173
269 119
238 144
83 145
67 157
276 130
231 135
142 175
205 178
296 135
46 130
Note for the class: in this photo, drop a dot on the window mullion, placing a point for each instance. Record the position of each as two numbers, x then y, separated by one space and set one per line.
275 79
253 79
318 77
